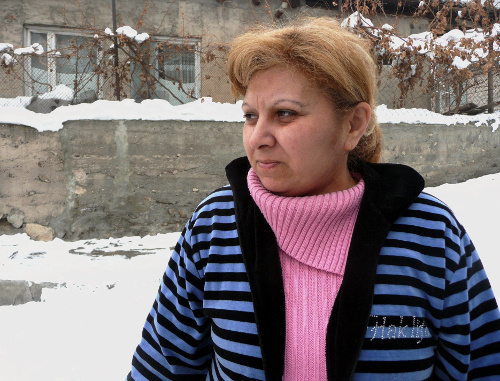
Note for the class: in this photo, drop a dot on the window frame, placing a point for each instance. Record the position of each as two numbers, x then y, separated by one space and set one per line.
192 42
51 32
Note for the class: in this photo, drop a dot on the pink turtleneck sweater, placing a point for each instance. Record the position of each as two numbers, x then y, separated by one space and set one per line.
313 235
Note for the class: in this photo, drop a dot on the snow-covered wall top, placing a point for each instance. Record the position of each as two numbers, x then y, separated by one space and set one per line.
201 109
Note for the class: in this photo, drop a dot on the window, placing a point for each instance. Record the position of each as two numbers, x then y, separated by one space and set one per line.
164 68
70 60
175 68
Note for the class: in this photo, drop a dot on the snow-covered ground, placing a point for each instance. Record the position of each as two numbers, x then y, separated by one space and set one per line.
88 328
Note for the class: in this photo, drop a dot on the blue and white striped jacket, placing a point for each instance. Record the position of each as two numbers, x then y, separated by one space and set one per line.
415 302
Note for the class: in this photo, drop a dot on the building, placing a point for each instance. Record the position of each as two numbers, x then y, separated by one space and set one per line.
183 59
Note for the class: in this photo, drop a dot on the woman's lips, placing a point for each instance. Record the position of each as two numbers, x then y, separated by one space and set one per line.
267 164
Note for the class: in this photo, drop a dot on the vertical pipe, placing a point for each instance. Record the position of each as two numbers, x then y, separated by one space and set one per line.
490 91
490 81
115 39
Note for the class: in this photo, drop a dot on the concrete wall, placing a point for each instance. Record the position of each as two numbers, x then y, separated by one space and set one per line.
116 178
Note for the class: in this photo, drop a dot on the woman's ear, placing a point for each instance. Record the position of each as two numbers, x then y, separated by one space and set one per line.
358 120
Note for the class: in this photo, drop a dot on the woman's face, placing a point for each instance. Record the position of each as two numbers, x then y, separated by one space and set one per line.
293 137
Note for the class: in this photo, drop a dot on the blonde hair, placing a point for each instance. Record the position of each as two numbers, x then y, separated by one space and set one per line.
334 59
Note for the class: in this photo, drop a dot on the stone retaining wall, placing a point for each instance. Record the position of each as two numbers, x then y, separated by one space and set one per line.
95 179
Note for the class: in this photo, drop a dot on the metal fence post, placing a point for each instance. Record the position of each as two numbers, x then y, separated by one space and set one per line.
490 91
115 39
491 106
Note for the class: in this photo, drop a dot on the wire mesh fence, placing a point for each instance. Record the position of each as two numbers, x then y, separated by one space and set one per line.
445 95
60 69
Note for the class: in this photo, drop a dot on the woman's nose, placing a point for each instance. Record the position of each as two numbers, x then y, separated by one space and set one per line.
262 134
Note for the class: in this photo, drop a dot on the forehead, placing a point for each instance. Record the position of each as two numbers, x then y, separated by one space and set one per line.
280 80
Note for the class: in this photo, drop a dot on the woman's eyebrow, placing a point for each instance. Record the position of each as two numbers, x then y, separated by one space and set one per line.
289 100
280 101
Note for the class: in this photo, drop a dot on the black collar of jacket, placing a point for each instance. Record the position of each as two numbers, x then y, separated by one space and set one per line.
389 191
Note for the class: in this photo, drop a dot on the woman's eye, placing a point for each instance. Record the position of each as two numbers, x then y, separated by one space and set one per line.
249 116
286 113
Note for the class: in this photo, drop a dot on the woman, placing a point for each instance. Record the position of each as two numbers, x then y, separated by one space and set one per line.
315 263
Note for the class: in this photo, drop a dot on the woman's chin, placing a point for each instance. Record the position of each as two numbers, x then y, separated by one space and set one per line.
281 188
275 186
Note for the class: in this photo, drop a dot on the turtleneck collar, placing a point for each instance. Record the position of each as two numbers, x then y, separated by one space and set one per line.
315 230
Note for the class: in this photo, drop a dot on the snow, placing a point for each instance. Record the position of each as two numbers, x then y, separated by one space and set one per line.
132 34
460 63
356 19
423 116
88 327
141 37
10 107
127 31
418 41
14 103
6 59
4 47
36 48
452 35
201 109
495 30
494 3
456 40
128 109
59 92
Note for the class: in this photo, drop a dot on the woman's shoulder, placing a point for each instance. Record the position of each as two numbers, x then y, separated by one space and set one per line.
430 234
430 217
434 208
217 207
219 198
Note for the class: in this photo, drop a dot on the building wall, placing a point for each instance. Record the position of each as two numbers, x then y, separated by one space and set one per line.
117 178
213 22
217 21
